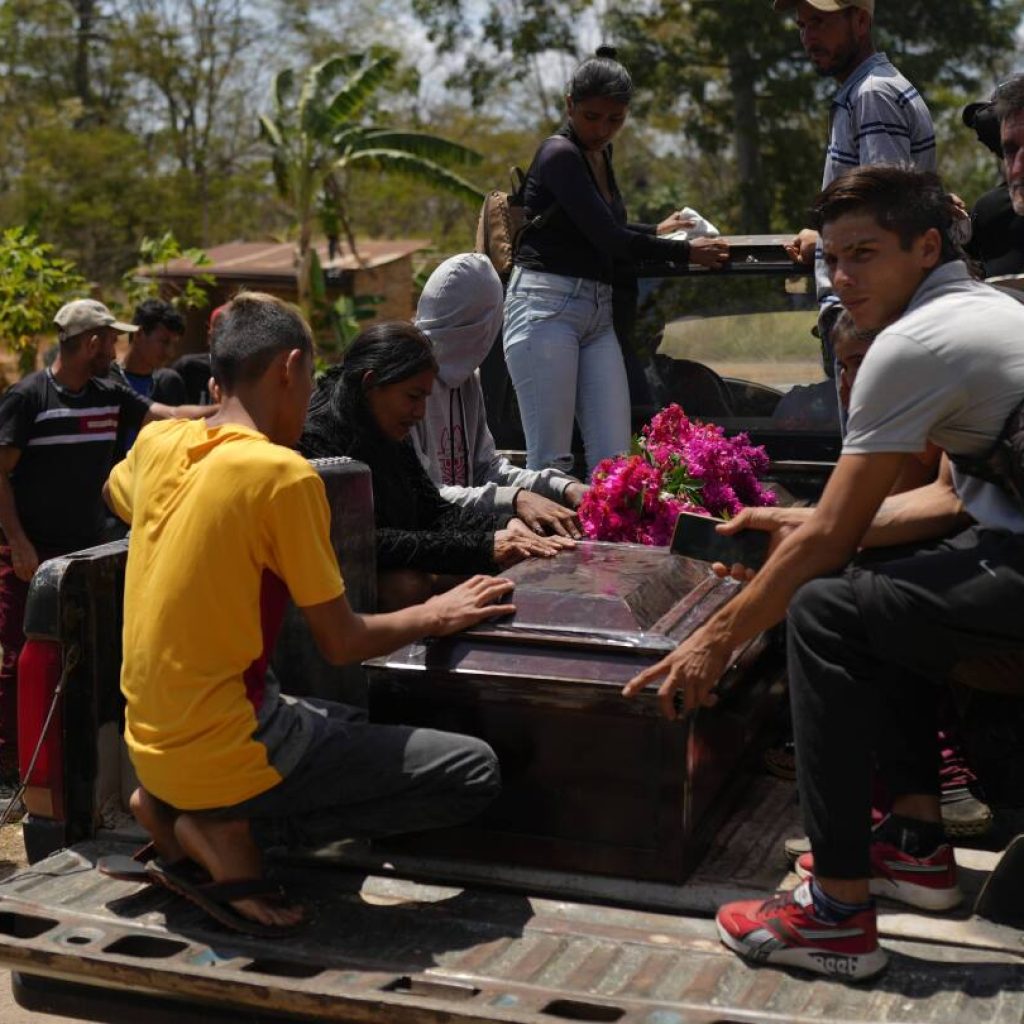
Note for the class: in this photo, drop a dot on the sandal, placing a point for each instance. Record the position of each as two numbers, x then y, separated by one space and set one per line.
215 899
136 867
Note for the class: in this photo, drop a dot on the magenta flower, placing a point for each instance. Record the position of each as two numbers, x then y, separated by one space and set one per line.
679 465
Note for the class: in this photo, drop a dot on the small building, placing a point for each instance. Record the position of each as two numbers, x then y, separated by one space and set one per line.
384 269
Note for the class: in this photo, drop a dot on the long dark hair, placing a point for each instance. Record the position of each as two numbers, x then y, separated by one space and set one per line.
601 75
339 415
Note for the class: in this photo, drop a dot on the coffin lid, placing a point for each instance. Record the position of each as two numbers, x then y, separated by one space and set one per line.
607 596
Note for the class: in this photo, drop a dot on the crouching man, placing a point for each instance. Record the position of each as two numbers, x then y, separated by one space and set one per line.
227 522
870 644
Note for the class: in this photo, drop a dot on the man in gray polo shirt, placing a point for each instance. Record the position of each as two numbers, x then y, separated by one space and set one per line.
868 646
876 117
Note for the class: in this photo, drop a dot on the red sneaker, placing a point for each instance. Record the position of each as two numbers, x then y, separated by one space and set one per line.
928 883
784 930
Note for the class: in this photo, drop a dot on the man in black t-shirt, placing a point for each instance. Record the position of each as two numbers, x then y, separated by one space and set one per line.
58 430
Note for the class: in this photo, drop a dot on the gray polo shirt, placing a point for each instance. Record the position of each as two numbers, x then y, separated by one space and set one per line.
949 371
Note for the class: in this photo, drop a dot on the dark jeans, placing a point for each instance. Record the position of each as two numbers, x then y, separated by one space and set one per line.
867 652
360 780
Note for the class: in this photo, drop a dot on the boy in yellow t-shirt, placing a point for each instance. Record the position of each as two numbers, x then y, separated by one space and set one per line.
227 523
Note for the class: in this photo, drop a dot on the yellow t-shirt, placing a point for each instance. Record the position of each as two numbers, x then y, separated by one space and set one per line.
224 526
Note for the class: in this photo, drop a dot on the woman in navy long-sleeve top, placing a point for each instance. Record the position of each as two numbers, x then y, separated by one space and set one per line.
560 346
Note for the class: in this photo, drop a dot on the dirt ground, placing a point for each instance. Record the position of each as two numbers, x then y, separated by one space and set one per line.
12 852
12 857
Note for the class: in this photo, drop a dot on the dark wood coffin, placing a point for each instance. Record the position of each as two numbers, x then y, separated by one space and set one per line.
591 781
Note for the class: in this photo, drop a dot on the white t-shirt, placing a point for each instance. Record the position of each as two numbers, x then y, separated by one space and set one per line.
949 371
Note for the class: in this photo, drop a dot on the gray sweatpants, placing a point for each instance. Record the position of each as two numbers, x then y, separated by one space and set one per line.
360 780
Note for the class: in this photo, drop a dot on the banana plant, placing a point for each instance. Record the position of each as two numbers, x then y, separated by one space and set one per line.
319 134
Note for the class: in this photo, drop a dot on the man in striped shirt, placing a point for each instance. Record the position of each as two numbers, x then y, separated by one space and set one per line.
876 117
58 429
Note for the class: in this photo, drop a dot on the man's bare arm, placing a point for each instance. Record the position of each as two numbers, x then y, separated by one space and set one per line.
24 556
824 542
344 637
926 513
159 411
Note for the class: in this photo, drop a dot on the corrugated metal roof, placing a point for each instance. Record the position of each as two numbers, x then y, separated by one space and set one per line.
277 259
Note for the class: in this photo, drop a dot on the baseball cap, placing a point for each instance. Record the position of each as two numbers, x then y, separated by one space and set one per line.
827 5
81 315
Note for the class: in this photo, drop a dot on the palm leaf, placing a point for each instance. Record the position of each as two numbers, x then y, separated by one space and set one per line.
284 180
315 83
422 144
394 161
271 131
284 89
349 138
352 96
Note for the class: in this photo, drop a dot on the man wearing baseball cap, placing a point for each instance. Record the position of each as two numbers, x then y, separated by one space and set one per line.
876 117
997 219
58 429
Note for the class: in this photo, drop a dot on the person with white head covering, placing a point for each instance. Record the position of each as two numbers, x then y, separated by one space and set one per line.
461 310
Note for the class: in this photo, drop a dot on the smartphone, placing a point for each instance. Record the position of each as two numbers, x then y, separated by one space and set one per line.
696 537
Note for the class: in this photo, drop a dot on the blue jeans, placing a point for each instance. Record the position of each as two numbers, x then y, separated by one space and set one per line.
565 361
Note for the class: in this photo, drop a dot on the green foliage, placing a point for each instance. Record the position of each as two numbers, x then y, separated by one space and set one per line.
337 321
736 82
319 140
509 48
34 284
159 253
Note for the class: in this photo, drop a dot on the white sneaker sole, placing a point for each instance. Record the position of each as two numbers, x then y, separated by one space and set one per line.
848 967
919 896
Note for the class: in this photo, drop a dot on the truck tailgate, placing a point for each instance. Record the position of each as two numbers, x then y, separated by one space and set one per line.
387 949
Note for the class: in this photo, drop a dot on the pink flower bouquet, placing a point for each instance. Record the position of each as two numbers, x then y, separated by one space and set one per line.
677 465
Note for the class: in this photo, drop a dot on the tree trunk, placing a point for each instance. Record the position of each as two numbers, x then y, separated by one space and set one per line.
304 264
85 14
755 199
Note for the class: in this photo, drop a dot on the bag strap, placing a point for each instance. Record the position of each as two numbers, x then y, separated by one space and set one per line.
542 218
1003 463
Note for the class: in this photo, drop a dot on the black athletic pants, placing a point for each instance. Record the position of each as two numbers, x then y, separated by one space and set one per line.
868 650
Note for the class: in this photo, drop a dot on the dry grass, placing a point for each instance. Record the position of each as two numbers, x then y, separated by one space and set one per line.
746 338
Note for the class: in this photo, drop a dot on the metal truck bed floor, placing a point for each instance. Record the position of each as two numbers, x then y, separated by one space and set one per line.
391 950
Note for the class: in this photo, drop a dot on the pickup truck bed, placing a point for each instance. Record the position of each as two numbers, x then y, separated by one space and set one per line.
483 946
404 937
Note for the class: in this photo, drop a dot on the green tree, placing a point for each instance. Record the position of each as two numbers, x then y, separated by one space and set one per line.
736 76
159 252
190 61
519 50
34 284
319 140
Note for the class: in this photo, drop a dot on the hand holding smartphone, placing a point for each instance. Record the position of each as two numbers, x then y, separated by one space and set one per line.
695 536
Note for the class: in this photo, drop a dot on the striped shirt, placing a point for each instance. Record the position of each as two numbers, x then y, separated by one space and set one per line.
66 442
877 117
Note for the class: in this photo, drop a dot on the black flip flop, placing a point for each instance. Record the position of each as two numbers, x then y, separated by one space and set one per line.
136 867
215 899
